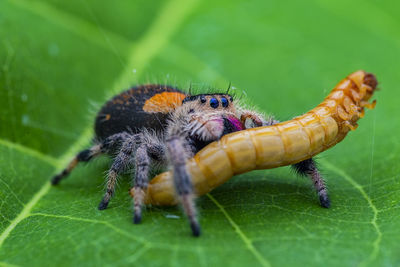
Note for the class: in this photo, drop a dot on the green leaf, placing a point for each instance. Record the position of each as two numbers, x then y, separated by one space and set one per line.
60 60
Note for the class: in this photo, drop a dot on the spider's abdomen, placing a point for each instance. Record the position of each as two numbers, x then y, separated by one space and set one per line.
144 106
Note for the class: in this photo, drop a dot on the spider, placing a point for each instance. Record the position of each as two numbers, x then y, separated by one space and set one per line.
159 125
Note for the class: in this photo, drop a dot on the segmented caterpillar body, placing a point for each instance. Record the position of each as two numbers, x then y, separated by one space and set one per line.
273 146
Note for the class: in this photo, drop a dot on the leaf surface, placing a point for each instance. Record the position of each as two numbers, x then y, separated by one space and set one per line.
60 60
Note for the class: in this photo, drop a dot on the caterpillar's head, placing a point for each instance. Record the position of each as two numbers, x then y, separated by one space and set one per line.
370 80
365 83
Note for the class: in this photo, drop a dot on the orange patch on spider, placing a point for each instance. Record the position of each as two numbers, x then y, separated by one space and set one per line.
163 102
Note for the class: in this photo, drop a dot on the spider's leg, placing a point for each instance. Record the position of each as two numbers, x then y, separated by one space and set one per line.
119 164
84 155
308 168
88 154
151 150
178 157
142 165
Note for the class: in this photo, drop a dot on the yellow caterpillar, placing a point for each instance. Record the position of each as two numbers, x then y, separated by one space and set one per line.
273 146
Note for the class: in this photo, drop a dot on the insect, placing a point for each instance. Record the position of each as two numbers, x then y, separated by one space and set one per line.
153 125
290 142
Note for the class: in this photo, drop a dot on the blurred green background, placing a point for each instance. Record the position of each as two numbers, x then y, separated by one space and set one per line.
59 60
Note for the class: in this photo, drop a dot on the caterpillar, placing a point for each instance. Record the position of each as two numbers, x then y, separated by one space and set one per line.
273 146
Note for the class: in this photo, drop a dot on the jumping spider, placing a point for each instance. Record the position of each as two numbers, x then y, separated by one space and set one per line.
159 125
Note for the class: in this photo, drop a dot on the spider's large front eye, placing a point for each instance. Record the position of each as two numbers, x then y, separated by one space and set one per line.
224 102
214 103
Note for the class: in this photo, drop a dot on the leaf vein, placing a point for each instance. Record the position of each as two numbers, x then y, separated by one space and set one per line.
138 253
239 231
12 192
29 151
105 223
25 212
375 211
145 243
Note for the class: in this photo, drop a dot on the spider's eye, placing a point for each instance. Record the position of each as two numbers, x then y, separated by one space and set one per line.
203 99
224 102
214 103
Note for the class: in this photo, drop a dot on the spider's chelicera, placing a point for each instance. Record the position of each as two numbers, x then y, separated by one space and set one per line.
153 124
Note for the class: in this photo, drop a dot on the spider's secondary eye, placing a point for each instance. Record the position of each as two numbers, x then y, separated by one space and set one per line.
214 103
203 99
224 102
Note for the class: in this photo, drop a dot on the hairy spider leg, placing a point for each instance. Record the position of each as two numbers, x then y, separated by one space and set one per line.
182 180
142 166
120 163
149 151
145 152
88 154
309 168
